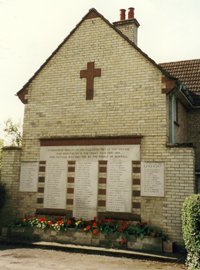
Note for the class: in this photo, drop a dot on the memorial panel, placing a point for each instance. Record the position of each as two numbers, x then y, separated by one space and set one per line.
152 179
55 185
29 176
86 186
86 157
96 152
119 186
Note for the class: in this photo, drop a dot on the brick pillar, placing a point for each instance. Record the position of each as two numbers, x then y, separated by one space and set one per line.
10 175
41 184
136 189
70 187
102 186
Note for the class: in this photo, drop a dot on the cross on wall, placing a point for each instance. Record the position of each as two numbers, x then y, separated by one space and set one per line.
90 73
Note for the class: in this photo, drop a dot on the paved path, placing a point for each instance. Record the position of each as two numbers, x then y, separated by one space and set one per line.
41 259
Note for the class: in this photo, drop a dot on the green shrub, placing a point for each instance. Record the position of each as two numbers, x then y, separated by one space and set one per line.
2 195
191 230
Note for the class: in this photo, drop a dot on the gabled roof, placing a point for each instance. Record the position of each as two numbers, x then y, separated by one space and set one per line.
93 13
188 72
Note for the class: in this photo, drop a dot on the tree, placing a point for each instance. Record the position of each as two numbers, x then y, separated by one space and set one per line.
1 146
14 132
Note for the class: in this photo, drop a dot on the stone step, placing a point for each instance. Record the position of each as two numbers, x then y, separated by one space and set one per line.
163 257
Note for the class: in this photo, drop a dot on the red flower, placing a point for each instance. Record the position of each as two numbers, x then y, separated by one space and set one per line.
69 222
95 231
42 219
49 222
60 222
88 227
121 230
94 224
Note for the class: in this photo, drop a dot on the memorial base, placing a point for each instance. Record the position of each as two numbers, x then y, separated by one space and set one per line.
80 238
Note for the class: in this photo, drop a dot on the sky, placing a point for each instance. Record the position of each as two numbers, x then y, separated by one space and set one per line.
30 30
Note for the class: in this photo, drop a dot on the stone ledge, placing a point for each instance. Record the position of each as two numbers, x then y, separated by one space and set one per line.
80 238
7 148
147 244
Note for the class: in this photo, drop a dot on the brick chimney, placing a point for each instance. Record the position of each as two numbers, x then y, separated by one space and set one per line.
128 26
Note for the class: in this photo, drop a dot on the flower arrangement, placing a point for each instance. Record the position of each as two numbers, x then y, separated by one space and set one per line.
121 229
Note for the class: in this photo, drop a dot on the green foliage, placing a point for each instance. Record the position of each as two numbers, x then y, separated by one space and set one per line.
143 229
191 230
13 132
1 146
2 195
106 226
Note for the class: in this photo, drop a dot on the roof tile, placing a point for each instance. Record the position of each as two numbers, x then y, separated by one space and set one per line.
188 72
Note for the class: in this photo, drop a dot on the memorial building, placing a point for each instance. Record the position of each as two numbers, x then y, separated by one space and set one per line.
107 131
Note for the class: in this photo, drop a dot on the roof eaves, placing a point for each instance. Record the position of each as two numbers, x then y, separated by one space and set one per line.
181 67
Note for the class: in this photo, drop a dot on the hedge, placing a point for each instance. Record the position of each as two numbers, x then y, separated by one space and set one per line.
191 230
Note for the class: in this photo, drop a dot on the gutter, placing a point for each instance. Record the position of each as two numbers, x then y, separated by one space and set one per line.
182 90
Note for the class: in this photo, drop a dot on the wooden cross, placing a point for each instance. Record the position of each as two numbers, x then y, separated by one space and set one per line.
89 74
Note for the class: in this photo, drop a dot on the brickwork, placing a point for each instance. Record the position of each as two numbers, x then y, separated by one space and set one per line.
179 183
57 104
102 186
129 29
127 101
10 177
194 134
41 184
70 186
136 187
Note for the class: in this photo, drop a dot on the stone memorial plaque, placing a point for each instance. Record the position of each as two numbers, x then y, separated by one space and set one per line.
86 186
86 157
55 185
152 179
119 186
95 152
29 176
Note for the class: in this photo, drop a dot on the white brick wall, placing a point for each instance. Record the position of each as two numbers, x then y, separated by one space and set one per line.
10 177
126 91
127 101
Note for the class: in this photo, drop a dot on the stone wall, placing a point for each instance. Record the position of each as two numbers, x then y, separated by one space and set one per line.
73 236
